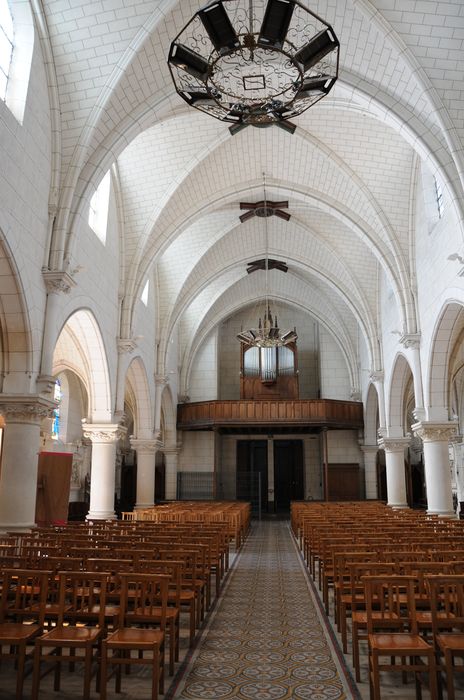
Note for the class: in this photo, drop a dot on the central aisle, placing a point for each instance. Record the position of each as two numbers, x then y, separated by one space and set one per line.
266 639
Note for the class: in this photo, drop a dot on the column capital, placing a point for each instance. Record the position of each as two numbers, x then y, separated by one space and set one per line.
161 380
103 432
429 431
26 408
377 375
410 340
398 444
126 345
171 450
369 449
57 281
144 446
355 394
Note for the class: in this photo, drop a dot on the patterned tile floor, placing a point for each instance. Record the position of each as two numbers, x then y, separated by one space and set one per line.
266 639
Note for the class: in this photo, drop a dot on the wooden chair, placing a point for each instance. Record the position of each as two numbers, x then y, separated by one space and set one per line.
81 594
23 596
392 599
447 607
144 599
172 569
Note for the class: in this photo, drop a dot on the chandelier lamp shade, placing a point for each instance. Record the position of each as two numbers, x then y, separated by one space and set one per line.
254 62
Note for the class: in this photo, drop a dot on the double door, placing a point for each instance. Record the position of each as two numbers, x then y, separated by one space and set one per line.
254 475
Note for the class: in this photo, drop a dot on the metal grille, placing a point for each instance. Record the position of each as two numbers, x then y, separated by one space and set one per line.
195 486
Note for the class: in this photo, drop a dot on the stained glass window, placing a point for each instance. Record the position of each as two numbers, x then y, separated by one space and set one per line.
56 412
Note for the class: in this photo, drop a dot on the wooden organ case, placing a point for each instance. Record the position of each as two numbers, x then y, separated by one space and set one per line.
269 373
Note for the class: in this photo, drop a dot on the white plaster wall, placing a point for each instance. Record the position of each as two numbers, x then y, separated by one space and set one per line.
173 362
25 169
343 447
335 379
197 452
203 379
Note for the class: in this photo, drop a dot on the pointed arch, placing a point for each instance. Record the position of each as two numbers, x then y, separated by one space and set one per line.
80 345
401 378
371 416
137 380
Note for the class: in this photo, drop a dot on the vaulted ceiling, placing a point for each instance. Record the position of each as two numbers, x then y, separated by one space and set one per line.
348 171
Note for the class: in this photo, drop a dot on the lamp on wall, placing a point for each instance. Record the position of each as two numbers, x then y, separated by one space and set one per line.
252 62
267 334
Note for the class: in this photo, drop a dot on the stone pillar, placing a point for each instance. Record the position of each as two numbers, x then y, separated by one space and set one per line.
171 456
271 504
396 474
104 437
435 438
377 378
370 470
146 453
126 346
160 383
21 444
57 283
411 343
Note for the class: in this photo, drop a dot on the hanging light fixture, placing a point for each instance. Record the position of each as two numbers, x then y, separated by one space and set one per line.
267 334
252 62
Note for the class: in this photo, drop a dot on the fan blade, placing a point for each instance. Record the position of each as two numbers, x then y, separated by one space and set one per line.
278 205
282 214
248 215
281 266
253 268
248 205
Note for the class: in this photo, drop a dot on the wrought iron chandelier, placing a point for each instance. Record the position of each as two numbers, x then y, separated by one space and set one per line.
254 62
267 334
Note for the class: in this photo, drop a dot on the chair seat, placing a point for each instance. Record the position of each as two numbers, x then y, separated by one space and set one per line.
12 632
453 641
71 634
407 643
126 636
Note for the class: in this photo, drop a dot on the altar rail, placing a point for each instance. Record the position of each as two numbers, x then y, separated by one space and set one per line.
206 415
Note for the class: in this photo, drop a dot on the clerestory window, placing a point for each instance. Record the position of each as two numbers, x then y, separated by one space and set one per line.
6 46
98 209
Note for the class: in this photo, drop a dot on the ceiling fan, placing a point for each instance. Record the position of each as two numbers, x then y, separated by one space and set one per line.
264 209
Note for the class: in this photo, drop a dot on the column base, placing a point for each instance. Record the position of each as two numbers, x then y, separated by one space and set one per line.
142 506
443 514
17 527
101 515
398 506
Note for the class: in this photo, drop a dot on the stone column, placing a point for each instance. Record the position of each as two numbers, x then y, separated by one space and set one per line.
370 470
171 456
57 283
160 383
396 474
104 437
436 437
146 453
21 444
377 377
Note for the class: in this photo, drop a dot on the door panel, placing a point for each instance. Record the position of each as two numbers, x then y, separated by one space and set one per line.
288 473
251 472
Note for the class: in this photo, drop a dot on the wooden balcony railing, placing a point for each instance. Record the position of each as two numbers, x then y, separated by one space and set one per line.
206 415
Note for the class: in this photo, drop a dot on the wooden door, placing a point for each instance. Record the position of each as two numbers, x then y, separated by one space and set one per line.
252 473
344 482
53 487
288 473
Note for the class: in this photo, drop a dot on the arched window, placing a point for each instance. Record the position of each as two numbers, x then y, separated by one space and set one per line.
98 210
6 46
16 48
146 289
439 198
